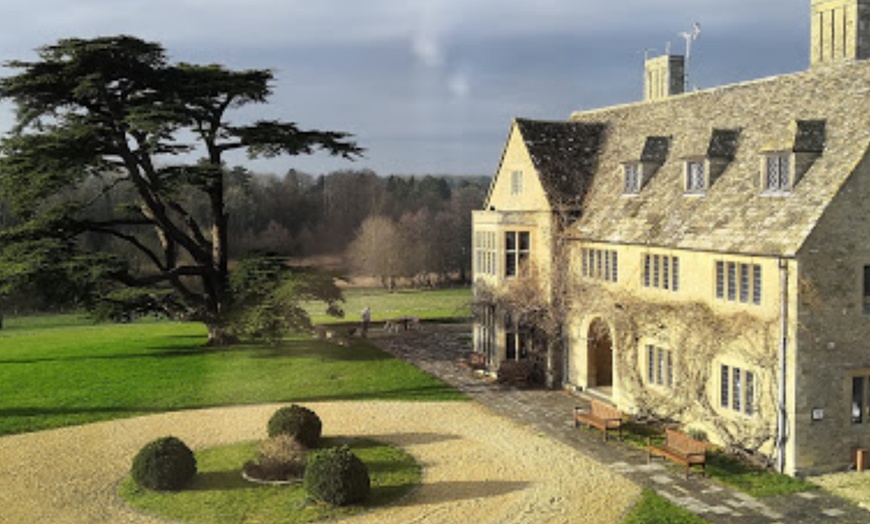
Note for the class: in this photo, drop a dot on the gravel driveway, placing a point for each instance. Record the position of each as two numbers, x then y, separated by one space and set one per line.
479 467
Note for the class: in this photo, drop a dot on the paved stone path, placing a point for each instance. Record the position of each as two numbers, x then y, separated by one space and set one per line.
437 350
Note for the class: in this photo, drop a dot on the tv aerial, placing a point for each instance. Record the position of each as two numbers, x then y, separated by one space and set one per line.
690 36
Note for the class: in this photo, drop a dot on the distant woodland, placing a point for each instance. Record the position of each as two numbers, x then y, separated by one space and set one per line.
339 214
400 229
396 231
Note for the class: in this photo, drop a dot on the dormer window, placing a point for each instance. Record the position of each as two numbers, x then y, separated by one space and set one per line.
632 178
777 169
784 167
696 177
636 174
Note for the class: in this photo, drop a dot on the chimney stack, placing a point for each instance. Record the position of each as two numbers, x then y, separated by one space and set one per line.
840 31
664 76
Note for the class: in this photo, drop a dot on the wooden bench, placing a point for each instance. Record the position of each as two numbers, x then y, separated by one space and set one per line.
514 372
477 360
601 416
393 325
680 448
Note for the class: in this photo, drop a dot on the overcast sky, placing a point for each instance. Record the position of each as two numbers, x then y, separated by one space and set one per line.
431 86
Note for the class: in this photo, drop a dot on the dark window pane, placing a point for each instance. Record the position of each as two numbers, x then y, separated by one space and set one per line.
646 270
857 399
510 264
510 240
525 241
615 268
756 284
736 390
749 408
650 364
732 281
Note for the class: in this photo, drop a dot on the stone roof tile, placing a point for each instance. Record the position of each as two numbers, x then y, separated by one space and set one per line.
565 155
824 110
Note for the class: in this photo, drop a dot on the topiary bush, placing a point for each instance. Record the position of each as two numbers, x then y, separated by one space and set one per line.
338 477
299 422
280 458
165 464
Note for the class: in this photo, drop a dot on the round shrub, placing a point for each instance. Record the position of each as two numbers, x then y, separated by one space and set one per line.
297 421
337 476
165 464
280 458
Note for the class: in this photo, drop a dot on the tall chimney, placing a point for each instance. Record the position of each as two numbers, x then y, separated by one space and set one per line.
664 76
839 31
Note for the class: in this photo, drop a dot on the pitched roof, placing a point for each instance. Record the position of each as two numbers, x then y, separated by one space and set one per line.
565 155
824 111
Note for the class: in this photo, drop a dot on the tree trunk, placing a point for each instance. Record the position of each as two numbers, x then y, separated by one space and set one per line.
219 335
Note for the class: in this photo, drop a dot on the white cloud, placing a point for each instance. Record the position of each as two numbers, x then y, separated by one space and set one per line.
427 50
459 85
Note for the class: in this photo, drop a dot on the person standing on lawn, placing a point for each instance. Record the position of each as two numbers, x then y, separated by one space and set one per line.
366 320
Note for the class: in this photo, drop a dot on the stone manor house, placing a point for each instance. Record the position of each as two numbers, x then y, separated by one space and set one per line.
702 257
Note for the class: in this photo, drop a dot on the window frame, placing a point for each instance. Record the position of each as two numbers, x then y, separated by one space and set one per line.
517 340
738 282
738 390
860 411
695 182
517 182
599 264
517 252
485 252
777 173
659 366
660 271
632 178
865 302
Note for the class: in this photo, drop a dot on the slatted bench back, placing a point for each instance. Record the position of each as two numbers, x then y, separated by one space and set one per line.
603 411
683 443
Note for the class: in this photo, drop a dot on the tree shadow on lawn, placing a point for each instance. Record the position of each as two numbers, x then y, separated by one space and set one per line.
456 490
434 393
157 352
224 480
108 410
355 352
404 439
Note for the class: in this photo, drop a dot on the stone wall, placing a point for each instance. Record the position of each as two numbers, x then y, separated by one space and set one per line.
834 332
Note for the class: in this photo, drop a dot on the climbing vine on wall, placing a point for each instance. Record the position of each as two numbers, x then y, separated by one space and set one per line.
698 337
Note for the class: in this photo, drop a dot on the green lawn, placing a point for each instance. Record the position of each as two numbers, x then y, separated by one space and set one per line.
724 468
219 495
653 509
440 304
60 371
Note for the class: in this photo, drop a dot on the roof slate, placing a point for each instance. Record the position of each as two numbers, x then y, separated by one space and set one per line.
565 155
723 144
826 109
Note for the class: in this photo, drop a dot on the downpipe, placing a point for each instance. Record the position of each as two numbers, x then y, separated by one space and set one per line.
781 413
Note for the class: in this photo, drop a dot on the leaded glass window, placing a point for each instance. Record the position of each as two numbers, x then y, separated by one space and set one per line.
631 173
696 178
776 175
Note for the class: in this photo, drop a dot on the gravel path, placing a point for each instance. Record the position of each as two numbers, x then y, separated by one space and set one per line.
479 467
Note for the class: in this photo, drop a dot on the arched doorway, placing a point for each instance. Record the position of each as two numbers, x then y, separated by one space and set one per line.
599 354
